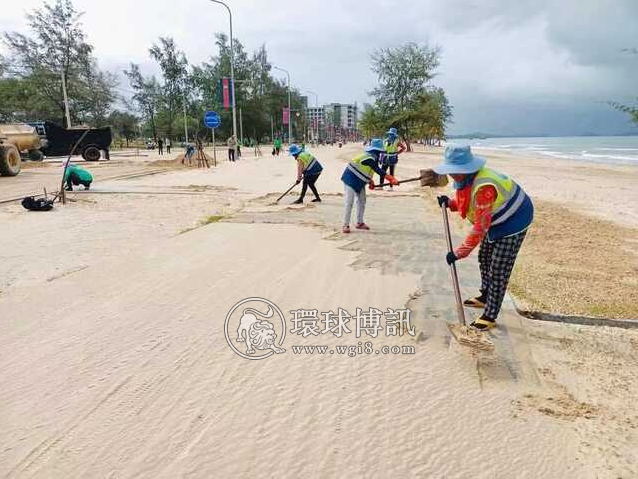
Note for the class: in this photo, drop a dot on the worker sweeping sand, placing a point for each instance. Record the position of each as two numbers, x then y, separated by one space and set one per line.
358 173
308 170
500 212
393 148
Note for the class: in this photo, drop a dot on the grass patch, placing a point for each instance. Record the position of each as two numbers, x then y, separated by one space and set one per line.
212 219
206 221
576 264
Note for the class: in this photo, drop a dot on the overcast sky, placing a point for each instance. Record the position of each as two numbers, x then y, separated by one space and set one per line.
538 66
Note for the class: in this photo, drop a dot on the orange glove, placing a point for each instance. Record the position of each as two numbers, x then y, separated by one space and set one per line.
392 180
371 185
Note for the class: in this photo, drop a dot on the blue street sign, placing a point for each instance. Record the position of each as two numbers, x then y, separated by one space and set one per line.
212 119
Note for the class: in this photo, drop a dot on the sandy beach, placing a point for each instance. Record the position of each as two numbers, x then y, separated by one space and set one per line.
114 361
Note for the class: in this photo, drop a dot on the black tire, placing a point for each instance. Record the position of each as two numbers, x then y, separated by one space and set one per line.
36 155
91 153
10 161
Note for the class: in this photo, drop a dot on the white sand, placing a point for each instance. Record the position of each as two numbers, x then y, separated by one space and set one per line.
114 363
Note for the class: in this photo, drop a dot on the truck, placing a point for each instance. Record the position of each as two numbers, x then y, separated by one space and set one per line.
18 141
60 141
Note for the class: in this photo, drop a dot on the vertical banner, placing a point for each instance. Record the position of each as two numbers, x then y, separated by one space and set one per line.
226 93
286 116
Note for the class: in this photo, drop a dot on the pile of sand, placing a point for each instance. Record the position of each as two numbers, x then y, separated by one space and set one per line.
179 160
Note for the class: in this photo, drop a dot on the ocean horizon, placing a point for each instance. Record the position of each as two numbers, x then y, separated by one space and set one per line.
602 149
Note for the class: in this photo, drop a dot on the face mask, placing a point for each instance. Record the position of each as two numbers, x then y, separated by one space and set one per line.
459 185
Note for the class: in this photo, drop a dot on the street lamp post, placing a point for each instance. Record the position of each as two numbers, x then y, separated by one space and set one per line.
232 70
289 110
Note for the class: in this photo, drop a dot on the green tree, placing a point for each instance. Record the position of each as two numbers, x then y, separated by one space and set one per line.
146 96
124 125
259 95
404 74
372 123
174 68
632 111
57 44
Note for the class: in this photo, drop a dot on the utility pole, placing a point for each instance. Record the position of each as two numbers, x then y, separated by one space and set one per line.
66 100
289 109
232 70
185 122
241 128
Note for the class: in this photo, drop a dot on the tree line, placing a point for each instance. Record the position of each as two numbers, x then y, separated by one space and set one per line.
405 97
56 47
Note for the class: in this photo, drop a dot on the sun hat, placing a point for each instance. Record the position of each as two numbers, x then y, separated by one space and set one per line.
376 144
459 160
393 131
294 150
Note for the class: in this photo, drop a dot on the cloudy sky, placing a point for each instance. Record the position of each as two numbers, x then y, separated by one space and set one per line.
509 67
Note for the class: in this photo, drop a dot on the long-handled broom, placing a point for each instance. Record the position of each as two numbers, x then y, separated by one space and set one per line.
427 178
464 335
287 191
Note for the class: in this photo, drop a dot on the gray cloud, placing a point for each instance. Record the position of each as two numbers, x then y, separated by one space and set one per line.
507 66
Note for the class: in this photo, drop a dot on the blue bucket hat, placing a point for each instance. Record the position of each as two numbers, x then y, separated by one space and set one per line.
294 150
376 144
459 160
393 132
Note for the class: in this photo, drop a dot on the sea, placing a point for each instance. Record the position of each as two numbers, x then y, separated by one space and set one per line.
603 149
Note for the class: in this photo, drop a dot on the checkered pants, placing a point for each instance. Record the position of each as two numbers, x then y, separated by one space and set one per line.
496 261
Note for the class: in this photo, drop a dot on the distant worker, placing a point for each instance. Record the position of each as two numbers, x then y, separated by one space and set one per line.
277 146
188 156
232 145
75 176
239 145
168 145
359 172
393 148
160 146
501 213
309 169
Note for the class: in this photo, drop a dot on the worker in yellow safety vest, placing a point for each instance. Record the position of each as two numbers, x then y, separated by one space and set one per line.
308 169
500 212
393 148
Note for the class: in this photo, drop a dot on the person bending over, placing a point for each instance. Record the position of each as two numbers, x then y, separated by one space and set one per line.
500 212
308 169
358 173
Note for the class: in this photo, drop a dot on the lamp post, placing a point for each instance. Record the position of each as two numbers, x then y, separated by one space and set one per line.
232 70
185 121
289 110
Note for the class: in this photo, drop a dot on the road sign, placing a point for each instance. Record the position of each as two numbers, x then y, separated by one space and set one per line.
212 119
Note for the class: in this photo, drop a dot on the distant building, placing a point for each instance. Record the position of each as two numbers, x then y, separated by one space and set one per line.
343 115
334 119
316 115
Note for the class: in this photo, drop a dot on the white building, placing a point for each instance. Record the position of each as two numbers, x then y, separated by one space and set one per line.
316 115
334 119
343 115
